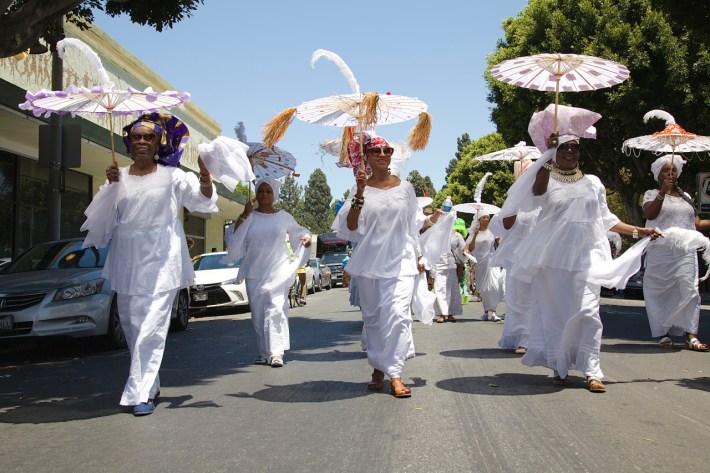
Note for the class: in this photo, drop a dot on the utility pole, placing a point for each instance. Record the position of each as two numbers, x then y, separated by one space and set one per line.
54 180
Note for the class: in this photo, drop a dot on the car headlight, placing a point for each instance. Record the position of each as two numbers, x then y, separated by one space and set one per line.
88 288
230 281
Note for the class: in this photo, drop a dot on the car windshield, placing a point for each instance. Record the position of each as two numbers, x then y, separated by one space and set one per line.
314 262
330 258
58 255
206 262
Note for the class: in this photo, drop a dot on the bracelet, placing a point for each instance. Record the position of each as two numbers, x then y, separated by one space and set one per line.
635 233
660 196
428 220
241 218
356 206
205 185
358 200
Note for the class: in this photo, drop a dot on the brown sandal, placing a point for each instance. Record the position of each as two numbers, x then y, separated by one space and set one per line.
378 381
695 345
451 318
557 381
440 320
398 388
595 385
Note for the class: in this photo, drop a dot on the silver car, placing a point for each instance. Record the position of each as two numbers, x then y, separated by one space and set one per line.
56 289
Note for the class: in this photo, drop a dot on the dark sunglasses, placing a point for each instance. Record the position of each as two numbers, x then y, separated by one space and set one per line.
380 151
147 137
568 146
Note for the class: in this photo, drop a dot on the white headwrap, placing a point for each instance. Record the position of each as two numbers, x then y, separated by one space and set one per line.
573 123
658 164
273 183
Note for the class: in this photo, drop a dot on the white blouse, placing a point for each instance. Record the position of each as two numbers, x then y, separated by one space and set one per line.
387 233
141 216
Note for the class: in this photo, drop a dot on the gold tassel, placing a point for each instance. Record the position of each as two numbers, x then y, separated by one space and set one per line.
369 102
276 128
348 135
419 134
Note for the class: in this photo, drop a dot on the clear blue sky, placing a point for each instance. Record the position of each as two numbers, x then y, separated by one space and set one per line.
248 60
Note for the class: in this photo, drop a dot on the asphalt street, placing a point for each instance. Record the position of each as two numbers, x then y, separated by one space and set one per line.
474 407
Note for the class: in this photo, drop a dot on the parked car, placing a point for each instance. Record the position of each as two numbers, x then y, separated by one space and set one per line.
634 287
56 289
310 278
217 284
335 263
322 274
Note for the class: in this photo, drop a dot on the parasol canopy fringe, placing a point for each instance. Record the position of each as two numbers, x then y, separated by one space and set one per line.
345 140
659 114
276 128
369 102
419 134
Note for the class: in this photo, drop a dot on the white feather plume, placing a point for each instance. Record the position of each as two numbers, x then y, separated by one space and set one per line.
479 188
661 115
90 54
241 132
689 241
344 69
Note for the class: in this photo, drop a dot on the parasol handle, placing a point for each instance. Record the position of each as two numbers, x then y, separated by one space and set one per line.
557 98
110 126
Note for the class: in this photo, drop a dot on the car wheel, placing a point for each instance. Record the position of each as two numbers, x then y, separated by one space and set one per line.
181 311
312 290
330 285
115 338
320 285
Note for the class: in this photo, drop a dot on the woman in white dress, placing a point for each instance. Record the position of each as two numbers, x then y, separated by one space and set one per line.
139 210
670 284
259 236
566 243
446 278
490 279
383 218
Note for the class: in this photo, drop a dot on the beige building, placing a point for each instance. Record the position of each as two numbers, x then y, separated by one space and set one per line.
23 181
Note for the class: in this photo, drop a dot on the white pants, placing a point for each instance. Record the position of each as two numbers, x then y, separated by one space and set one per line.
387 322
269 316
448 293
565 330
519 304
145 320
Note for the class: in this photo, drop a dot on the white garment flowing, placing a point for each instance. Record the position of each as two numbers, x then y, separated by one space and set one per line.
446 280
490 279
385 264
670 282
260 241
148 260
567 240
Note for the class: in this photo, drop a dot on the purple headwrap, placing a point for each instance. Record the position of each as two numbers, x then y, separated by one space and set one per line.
172 134
572 123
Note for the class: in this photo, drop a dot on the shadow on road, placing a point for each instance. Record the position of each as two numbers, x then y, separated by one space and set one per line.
506 384
480 353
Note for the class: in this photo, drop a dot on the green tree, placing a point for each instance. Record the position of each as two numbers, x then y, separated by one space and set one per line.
24 22
422 184
670 70
461 143
291 198
317 213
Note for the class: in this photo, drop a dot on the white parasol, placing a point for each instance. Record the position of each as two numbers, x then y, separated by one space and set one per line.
672 139
477 208
516 153
560 73
101 99
332 147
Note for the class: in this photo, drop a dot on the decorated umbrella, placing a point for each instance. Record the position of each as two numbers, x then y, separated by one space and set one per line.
560 73
271 162
101 99
424 201
477 208
672 139
517 153
355 112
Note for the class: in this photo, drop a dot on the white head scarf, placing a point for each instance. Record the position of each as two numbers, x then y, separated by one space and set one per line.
573 123
658 164
273 183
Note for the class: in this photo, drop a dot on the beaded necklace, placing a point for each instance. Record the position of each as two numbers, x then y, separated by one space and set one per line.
573 175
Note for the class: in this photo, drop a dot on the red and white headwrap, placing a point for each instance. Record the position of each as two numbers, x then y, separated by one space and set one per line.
369 141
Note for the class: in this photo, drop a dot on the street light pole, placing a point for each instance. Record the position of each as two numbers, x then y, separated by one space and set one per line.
54 179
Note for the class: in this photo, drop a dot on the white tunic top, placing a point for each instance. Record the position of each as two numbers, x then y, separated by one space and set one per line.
386 237
675 212
454 255
141 216
505 254
485 244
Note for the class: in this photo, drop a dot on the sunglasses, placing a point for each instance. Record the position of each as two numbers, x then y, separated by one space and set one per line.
381 151
568 147
147 137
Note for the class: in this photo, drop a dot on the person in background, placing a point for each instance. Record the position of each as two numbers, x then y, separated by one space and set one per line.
346 275
490 280
138 209
447 272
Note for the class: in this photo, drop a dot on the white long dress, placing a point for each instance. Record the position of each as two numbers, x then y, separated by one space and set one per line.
268 271
490 279
519 299
385 264
148 261
568 239
446 281
670 282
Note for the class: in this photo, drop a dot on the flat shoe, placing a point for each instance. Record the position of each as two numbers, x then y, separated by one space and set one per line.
398 389
451 318
521 351
595 385
277 362
440 320
695 345
144 409
378 381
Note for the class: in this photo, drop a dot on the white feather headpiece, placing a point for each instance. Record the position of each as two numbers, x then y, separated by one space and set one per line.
344 69
661 115
90 54
479 188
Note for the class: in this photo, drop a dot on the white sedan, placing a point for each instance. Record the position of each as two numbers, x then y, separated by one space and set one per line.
217 284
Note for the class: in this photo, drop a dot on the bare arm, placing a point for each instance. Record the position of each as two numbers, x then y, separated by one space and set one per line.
508 222
354 213
206 187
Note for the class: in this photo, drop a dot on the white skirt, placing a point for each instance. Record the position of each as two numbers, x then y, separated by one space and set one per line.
448 292
519 304
269 316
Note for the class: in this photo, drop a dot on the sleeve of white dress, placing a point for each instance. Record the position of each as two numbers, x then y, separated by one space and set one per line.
520 194
340 224
415 216
102 215
236 241
608 218
649 195
190 195
295 233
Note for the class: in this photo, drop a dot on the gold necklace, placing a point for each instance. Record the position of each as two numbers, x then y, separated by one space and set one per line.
569 176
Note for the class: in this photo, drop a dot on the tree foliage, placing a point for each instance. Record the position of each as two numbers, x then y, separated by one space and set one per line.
423 186
24 22
669 65
291 198
317 213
